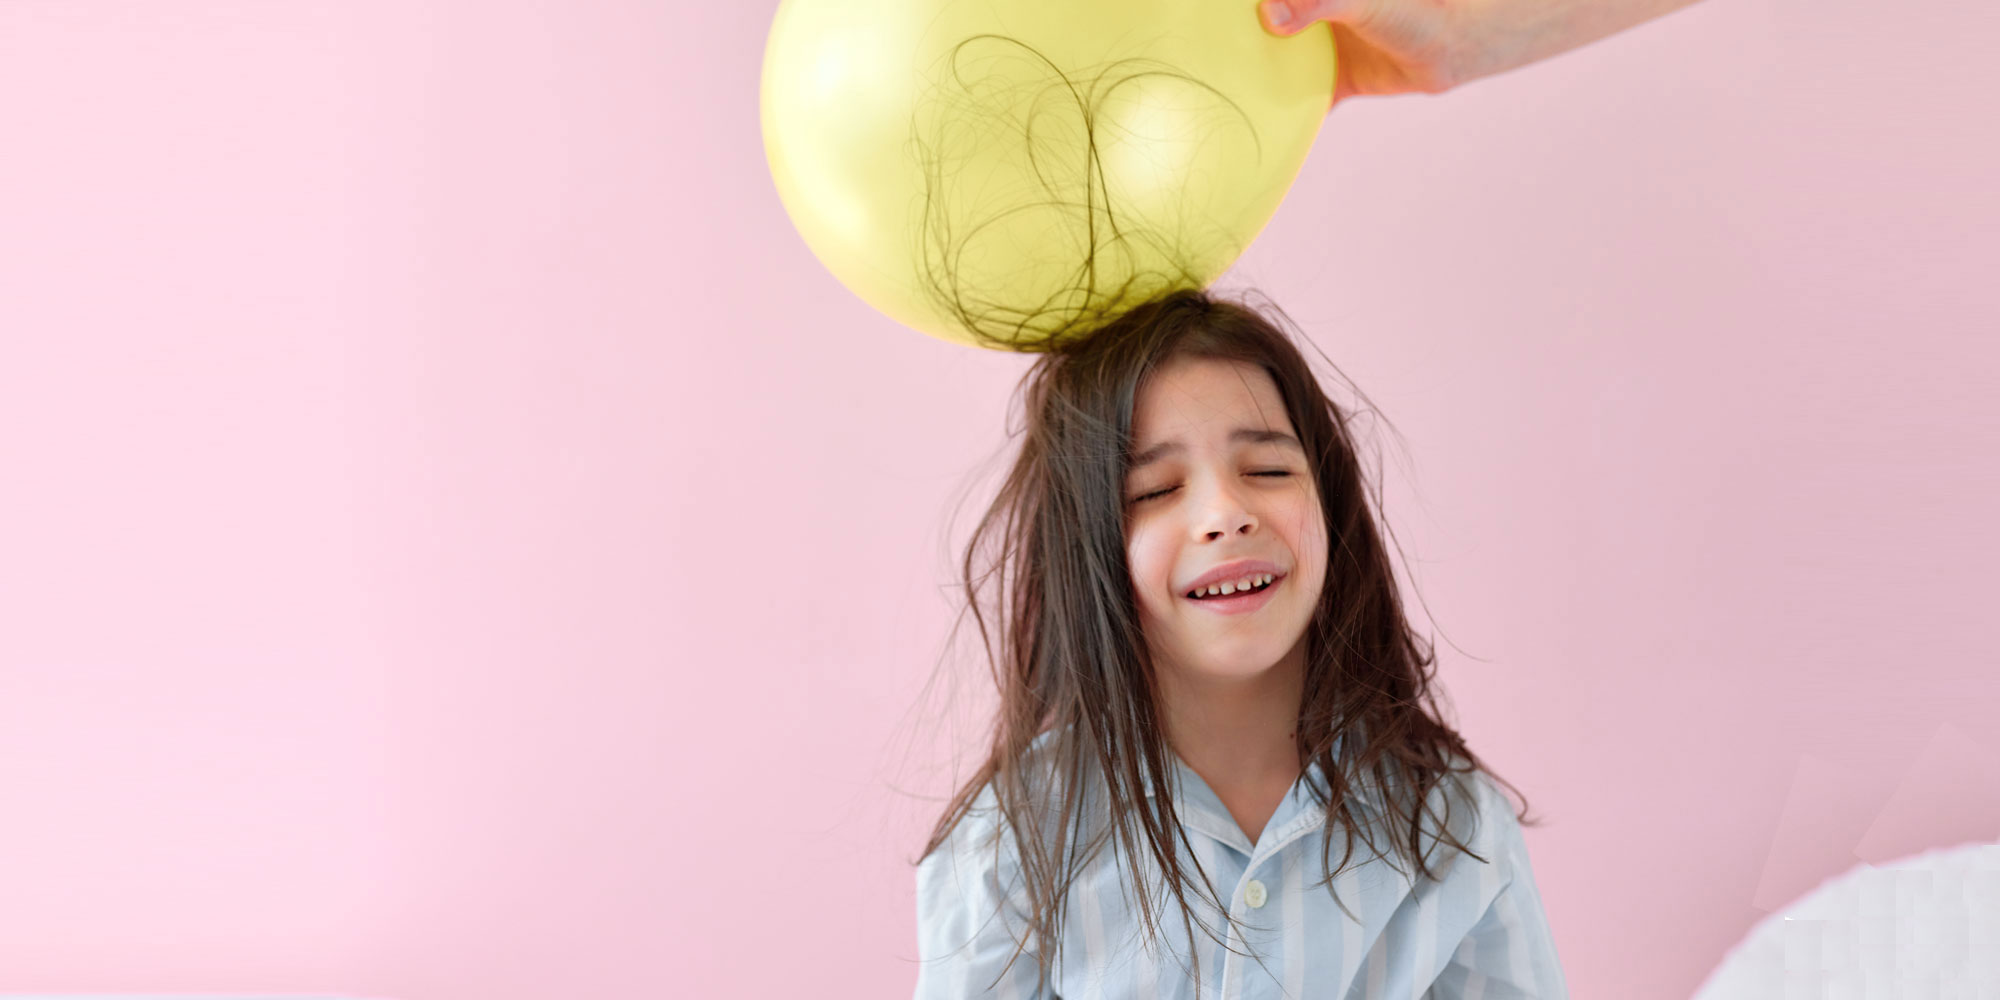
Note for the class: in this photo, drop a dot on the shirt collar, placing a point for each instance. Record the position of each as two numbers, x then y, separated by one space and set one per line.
1315 775
1363 791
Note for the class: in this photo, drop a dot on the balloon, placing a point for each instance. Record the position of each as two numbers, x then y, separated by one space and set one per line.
1013 173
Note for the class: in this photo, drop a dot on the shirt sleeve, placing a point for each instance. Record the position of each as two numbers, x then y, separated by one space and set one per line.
1509 953
970 916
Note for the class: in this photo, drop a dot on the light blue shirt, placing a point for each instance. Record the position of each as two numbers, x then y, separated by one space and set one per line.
1478 934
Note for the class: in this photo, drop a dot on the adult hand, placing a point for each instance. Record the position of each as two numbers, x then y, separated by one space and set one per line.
1382 46
1430 46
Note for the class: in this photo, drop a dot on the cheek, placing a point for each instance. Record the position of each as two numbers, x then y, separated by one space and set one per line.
1151 564
1312 541
1312 524
1304 528
1294 515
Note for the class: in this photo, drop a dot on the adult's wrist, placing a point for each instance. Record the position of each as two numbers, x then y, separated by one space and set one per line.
1500 35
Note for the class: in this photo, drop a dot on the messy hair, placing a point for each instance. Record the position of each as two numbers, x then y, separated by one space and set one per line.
1047 583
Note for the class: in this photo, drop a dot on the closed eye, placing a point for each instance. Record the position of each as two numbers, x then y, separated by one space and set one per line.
1160 493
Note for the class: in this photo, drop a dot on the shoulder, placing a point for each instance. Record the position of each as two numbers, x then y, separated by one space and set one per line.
977 828
971 873
982 843
1465 808
1478 794
972 910
1493 830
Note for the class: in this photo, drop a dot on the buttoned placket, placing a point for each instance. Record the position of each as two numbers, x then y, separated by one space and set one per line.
1309 818
1297 817
1210 818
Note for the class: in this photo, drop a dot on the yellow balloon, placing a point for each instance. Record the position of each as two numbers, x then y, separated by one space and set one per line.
1014 173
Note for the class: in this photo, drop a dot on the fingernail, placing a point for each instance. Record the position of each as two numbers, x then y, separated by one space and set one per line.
1278 11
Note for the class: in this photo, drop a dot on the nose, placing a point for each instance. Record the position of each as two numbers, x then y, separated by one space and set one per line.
1241 523
1225 514
1248 525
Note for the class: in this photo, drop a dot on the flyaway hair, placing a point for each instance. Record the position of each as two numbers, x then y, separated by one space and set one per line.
1077 736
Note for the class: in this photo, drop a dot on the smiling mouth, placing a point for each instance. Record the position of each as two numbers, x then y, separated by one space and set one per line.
1240 601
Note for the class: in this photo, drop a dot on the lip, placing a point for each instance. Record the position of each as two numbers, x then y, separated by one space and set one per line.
1231 571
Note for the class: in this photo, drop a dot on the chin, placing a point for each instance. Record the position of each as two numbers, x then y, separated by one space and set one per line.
1228 662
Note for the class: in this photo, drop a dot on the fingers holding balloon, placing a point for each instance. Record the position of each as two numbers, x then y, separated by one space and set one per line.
1288 17
1384 47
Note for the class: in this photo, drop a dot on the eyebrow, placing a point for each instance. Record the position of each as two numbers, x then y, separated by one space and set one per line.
1251 435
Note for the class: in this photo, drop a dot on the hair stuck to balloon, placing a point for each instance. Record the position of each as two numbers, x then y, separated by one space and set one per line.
1101 241
1047 583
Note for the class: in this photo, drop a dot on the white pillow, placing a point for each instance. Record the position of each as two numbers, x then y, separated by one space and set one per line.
1924 927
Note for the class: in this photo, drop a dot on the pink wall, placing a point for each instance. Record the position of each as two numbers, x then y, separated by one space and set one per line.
460 544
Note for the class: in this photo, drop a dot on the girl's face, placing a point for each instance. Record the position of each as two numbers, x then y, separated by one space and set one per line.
1218 478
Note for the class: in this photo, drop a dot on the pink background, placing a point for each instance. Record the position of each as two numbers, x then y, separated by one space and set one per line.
459 543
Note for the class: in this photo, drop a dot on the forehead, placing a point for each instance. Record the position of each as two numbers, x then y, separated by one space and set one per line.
1189 394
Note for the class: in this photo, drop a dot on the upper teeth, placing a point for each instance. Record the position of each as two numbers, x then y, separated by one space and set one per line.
1231 587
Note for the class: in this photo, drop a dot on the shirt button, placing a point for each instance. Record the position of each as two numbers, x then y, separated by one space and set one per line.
1254 894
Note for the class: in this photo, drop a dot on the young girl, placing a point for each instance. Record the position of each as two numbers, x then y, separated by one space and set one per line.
1195 598
1205 673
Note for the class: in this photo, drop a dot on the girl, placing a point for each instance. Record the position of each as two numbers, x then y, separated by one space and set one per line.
1206 678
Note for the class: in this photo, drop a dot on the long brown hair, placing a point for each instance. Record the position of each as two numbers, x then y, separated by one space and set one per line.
1047 582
